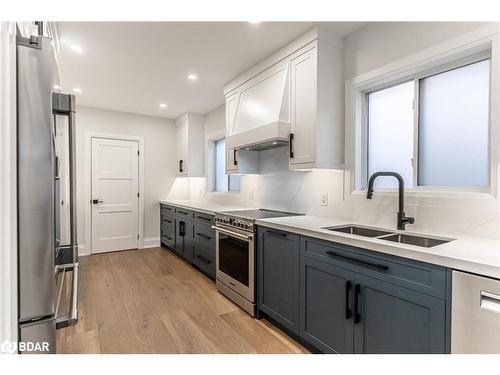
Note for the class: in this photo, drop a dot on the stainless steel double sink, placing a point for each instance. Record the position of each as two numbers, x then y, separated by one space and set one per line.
409 239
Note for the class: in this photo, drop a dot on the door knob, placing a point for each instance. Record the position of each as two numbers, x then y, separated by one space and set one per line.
96 201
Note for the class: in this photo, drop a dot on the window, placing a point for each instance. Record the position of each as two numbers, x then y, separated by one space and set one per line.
223 182
390 133
441 142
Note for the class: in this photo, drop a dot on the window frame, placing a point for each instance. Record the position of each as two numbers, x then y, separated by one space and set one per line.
416 78
461 51
210 162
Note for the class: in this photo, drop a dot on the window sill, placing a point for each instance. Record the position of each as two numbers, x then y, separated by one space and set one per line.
414 194
215 193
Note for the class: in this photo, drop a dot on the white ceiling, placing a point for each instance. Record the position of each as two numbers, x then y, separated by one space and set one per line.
135 66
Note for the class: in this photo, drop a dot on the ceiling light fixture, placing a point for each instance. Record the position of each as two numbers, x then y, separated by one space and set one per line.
254 22
76 48
192 77
57 87
163 105
77 90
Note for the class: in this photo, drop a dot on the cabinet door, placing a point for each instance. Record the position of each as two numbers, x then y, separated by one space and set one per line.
394 319
181 231
182 149
303 95
278 261
231 107
326 317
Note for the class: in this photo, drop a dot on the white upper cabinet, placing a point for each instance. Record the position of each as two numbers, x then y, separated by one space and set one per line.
231 104
190 145
238 161
303 107
294 96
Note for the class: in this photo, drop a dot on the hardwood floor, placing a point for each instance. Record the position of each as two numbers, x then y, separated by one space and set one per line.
150 301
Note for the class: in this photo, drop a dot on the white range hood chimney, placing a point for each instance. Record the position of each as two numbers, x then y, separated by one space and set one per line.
258 111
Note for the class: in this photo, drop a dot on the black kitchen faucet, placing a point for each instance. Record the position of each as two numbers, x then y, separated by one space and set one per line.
402 219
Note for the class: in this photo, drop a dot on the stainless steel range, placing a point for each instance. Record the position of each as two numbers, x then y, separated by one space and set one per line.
235 254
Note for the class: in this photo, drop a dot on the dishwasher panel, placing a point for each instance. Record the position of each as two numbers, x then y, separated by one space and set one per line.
475 314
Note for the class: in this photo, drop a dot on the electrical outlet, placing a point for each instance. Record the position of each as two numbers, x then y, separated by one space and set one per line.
324 199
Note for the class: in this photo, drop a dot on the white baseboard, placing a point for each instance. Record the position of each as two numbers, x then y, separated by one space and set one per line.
151 242
148 243
82 251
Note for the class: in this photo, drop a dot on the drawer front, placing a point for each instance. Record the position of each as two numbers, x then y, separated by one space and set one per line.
167 210
204 235
168 239
204 219
182 212
167 228
204 259
167 222
422 277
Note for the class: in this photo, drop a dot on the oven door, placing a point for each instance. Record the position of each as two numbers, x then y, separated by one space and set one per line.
235 260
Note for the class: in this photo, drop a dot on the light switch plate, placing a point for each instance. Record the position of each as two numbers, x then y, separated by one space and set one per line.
324 199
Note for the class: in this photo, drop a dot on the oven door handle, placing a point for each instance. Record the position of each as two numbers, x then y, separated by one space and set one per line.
233 234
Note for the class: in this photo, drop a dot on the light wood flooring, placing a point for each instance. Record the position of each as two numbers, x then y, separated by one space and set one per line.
150 301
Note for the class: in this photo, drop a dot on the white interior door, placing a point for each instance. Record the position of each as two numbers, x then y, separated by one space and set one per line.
115 195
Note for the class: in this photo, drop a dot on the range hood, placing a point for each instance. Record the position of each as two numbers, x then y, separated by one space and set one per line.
258 112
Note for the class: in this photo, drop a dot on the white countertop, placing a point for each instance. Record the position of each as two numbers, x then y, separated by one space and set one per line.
470 254
202 206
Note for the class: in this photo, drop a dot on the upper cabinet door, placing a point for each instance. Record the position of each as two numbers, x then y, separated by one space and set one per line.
303 107
231 108
182 149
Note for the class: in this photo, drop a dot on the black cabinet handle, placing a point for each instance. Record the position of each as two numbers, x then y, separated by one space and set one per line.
181 166
276 233
291 145
235 162
357 314
203 259
167 237
168 221
204 236
182 228
348 312
203 218
377 266
182 212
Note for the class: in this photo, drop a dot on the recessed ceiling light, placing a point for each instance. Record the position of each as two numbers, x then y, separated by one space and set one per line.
192 77
76 48
57 87
77 90
254 22
163 105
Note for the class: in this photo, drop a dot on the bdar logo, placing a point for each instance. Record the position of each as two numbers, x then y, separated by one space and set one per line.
8 347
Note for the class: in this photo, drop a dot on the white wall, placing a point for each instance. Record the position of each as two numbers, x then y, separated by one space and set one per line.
368 48
159 161
380 43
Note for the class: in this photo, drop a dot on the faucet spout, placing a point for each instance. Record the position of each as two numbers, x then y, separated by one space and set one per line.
402 219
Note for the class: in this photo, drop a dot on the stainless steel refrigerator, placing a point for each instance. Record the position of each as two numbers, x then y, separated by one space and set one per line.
42 259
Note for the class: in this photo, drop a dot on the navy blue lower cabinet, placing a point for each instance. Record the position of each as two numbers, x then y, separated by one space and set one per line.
393 319
183 238
326 306
278 275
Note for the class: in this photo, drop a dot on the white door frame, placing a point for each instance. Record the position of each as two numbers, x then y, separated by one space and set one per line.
8 184
88 184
